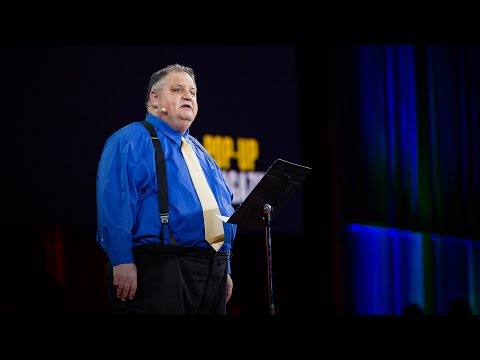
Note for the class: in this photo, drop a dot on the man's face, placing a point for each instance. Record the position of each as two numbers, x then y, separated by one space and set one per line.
178 96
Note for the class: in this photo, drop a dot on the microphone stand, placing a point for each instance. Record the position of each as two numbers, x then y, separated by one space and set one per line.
267 210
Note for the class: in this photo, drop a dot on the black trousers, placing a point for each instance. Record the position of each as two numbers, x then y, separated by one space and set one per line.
174 280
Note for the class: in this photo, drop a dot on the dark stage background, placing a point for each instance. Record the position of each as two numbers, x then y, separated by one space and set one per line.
387 217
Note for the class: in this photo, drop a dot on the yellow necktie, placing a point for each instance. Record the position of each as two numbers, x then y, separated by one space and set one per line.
213 225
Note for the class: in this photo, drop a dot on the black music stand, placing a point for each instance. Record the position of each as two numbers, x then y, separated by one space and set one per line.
265 200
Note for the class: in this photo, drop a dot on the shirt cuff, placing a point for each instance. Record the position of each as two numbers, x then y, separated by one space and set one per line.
121 256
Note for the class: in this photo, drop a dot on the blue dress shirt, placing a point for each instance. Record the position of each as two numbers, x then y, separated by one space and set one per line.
127 200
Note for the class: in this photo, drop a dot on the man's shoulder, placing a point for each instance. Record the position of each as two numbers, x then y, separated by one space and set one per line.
128 132
197 143
204 151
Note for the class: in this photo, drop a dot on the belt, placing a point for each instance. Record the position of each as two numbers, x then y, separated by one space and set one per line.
180 250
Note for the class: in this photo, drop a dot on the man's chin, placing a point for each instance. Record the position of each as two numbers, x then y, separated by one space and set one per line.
187 120
182 125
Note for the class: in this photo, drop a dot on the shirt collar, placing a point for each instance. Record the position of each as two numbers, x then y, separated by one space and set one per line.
162 126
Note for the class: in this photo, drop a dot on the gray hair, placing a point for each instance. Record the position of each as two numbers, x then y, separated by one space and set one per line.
160 74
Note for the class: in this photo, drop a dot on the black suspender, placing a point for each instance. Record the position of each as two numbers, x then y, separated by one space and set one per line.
161 182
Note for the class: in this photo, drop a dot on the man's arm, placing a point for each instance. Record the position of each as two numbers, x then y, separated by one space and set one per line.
117 183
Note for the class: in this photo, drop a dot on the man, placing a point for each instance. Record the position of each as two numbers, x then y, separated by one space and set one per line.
164 265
